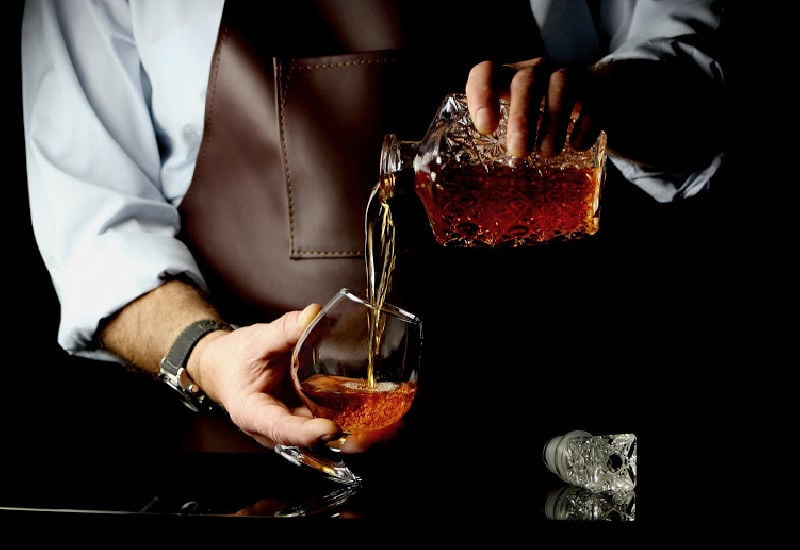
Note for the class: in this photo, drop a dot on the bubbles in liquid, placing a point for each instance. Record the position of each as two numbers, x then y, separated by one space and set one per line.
377 387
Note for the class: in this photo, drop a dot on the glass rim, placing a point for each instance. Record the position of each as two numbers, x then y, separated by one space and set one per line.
391 309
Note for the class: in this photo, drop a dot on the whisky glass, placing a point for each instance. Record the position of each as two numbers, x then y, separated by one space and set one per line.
357 364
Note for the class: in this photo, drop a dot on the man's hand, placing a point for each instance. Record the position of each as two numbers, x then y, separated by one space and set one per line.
544 98
247 372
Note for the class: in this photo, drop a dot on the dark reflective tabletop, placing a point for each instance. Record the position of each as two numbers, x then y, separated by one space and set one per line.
134 453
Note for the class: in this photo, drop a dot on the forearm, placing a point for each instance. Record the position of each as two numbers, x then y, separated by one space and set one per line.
143 331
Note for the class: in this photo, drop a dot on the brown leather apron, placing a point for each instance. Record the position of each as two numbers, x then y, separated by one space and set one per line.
300 95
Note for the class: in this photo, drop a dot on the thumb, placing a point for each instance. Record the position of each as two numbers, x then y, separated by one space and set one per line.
295 322
307 315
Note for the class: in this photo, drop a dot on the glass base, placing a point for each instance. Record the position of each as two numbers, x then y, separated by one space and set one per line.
326 505
333 468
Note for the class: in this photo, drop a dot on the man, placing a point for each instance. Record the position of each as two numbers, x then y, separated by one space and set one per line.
141 117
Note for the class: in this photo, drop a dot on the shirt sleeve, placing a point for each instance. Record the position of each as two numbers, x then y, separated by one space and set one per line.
682 31
102 220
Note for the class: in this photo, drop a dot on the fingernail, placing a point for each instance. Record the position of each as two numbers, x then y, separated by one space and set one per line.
308 314
482 120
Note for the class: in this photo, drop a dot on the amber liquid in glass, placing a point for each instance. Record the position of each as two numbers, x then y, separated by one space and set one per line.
354 405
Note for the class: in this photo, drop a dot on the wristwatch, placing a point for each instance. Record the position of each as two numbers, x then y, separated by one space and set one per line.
172 368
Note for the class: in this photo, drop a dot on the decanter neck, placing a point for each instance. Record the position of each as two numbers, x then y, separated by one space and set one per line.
397 165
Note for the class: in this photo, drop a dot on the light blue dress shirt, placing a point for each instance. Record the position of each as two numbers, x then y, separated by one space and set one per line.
113 105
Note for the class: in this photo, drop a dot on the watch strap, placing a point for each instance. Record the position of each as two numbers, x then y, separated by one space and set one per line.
172 368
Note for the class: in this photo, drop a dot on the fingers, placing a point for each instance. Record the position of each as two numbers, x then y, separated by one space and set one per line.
559 101
588 124
307 315
269 421
482 100
286 330
258 409
585 132
544 100
295 430
528 87
360 442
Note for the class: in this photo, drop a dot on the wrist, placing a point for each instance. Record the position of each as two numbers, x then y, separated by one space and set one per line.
198 367
174 367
